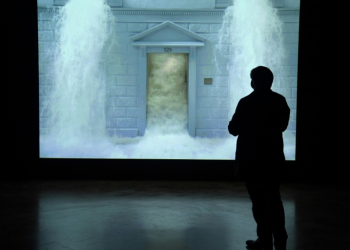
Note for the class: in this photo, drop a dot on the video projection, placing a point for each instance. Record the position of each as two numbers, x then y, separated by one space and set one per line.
158 79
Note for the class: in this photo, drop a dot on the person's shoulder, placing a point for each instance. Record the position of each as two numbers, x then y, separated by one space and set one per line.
246 99
279 99
277 95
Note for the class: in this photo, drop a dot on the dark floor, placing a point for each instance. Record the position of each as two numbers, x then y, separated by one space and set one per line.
152 215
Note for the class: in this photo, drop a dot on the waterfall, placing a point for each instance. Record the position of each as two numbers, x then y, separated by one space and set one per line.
77 101
250 36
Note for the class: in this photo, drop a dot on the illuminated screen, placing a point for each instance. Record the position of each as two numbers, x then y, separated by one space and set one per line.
158 79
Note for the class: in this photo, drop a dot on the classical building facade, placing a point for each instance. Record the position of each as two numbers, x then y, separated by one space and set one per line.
183 26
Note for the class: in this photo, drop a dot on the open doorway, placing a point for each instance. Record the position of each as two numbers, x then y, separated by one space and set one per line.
167 92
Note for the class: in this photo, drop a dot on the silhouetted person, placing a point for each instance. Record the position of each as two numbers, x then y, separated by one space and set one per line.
259 121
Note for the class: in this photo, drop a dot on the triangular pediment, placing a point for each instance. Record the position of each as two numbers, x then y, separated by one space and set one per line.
167 32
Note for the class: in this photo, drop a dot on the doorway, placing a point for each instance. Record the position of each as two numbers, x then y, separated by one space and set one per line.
167 92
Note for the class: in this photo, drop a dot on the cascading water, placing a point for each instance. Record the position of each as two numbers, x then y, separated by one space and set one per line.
78 97
167 93
250 36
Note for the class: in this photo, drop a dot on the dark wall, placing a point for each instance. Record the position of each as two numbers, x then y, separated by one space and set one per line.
322 94
321 119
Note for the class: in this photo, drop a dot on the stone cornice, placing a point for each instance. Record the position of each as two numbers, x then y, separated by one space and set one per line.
169 44
288 12
211 12
168 12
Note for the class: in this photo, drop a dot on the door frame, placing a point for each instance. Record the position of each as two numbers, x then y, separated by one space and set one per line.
192 77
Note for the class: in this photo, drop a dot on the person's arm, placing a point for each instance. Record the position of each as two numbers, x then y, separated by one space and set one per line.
280 123
234 125
285 115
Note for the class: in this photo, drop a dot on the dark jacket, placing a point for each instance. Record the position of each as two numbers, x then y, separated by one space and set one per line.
259 121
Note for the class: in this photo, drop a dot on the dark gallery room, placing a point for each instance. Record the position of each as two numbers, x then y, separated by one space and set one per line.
170 125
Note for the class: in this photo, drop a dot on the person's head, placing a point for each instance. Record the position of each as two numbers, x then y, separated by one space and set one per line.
262 78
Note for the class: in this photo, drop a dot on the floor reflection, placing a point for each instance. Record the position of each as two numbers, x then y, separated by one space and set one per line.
201 216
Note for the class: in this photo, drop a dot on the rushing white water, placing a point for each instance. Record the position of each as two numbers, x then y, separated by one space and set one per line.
167 93
250 36
78 102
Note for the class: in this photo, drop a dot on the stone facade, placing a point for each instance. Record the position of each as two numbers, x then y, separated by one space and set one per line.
122 70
